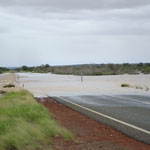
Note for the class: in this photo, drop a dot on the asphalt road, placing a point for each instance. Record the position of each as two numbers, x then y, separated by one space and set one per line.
129 114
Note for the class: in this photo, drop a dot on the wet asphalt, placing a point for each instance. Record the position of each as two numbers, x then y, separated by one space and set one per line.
131 109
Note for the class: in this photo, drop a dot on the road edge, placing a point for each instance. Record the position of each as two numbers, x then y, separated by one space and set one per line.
128 130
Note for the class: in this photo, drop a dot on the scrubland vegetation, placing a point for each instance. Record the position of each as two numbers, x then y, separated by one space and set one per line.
125 85
9 85
2 70
96 69
25 124
135 86
90 69
38 69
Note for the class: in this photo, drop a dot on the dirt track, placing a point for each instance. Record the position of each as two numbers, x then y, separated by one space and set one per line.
89 134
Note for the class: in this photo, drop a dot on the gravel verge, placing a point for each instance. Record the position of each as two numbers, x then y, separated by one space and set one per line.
88 133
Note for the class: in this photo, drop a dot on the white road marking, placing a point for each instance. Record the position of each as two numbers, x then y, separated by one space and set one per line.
147 103
106 116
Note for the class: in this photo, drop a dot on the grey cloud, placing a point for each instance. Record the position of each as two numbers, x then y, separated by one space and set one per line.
85 23
66 9
76 4
54 29
4 29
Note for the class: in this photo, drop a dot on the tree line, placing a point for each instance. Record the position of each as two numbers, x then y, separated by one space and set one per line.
85 69
90 69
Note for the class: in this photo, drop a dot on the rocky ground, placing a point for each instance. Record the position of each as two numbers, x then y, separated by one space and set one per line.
88 133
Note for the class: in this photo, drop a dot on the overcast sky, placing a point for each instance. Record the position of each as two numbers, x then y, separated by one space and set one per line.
58 32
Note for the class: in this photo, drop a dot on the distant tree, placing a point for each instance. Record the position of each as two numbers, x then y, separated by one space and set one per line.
25 68
112 67
126 64
140 64
47 65
3 69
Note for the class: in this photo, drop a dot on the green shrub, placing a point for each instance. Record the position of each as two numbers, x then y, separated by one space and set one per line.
146 70
138 87
9 86
146 88
125 85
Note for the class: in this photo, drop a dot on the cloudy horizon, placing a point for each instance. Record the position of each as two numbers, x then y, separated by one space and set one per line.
63 32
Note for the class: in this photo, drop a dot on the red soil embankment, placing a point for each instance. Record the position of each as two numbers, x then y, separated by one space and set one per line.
89 134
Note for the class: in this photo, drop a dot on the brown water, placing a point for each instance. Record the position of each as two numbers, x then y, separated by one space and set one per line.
66 85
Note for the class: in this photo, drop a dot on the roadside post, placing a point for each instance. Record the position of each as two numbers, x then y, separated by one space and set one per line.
18 78
81 77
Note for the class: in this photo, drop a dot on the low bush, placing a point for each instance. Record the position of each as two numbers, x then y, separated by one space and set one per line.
146 88
8 86
138 87
125 85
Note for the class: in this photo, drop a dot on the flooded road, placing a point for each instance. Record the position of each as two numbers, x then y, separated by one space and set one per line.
70 85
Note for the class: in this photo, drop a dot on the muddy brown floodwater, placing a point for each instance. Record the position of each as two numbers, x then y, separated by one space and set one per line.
88 133
69 85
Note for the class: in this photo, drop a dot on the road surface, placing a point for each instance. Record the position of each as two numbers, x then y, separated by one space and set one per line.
127 113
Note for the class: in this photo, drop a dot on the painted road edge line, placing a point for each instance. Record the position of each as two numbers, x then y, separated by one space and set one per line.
106 116
147 103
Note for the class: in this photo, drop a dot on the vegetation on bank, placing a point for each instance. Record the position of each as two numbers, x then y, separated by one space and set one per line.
89 69
3 70
25 124
135 86
38 69
125 85
9 85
